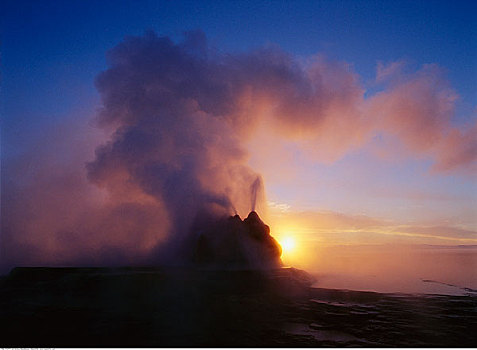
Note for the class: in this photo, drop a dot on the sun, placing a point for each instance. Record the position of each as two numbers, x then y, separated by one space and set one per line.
288 244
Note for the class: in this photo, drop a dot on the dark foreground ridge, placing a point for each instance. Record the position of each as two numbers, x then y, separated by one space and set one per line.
153 307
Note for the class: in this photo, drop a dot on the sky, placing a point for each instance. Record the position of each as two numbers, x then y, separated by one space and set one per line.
389 171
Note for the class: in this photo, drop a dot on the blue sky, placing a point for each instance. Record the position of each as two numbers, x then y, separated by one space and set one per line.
52 48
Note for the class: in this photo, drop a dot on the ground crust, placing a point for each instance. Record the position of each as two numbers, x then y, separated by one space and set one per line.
157 307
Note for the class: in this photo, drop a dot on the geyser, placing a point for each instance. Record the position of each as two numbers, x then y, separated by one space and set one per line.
235 243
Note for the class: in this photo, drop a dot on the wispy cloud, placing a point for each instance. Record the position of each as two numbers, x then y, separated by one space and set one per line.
333 228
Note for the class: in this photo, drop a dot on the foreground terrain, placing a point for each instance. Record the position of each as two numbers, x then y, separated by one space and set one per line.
136 307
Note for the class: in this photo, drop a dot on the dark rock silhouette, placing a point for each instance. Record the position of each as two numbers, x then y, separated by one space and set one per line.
233 243
177 307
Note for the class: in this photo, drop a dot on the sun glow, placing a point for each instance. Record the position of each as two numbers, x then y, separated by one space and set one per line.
288 244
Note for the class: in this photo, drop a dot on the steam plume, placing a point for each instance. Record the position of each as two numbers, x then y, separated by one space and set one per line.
256 192
181 115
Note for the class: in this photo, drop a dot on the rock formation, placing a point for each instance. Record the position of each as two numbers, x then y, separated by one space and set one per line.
237 243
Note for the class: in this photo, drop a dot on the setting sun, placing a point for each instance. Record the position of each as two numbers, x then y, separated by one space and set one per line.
288 244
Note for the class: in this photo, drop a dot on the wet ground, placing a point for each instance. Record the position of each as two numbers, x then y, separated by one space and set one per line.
138 307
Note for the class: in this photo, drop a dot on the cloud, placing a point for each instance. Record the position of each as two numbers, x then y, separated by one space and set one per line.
458 150
418 108
384 72
444 232
333 228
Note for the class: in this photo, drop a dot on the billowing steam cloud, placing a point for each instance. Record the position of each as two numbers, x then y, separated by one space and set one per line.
181 115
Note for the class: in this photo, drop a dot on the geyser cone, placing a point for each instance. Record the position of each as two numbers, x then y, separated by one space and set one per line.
233 243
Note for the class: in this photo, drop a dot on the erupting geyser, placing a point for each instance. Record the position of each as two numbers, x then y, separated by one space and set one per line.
237 243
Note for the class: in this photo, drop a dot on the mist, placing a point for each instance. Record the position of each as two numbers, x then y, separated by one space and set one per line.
390 268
